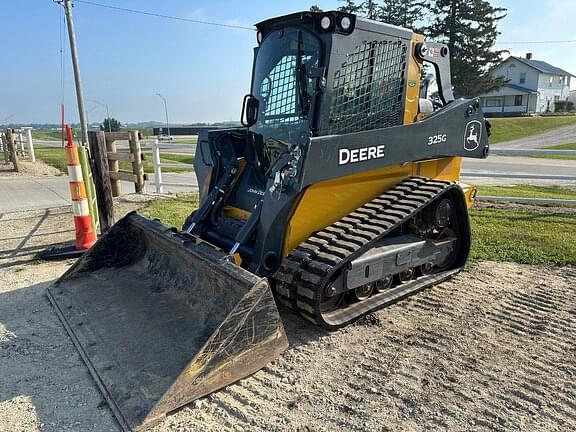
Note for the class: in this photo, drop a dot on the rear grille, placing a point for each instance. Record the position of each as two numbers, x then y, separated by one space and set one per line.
368 89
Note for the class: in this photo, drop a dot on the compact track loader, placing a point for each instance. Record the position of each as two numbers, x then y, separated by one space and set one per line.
339 196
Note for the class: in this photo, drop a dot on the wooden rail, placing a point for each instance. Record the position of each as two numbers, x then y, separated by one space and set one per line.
134 156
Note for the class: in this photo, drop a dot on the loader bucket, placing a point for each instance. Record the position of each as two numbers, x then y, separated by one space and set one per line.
160 320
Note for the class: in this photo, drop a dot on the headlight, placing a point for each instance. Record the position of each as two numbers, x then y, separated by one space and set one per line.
345 23
326 22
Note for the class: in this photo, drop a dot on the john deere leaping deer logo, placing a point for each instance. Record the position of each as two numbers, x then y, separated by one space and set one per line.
472 135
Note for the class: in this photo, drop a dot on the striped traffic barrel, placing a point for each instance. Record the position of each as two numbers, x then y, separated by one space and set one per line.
85 235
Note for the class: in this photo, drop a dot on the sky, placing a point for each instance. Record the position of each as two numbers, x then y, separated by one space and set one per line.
203 71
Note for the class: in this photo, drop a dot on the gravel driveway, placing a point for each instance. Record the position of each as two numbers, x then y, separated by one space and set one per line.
492 349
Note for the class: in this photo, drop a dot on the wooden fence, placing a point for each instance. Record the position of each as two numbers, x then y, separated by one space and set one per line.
133 155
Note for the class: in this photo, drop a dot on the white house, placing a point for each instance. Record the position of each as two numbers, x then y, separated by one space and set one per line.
532 87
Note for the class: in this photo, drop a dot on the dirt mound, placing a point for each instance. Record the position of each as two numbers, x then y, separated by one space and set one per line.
27 168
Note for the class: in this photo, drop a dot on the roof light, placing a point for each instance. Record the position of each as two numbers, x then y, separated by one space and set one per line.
345 23
325 22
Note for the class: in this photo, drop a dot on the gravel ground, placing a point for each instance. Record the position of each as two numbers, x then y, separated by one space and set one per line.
492 349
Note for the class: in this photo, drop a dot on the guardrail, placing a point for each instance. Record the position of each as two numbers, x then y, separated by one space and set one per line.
530 176
158 165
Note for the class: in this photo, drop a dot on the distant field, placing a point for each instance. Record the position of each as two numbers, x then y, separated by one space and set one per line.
529 191
54 156
189 140
560 147
46 135
511 128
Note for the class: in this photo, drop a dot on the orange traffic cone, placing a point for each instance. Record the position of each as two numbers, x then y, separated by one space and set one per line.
85 235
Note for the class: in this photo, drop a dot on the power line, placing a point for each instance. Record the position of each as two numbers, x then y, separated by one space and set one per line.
157 15
536 42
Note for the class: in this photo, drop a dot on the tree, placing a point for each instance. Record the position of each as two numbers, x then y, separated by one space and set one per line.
110 125
350 6
469 28
404 13
315 8
370 9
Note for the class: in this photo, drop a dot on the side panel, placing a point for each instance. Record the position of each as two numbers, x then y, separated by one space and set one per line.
326 202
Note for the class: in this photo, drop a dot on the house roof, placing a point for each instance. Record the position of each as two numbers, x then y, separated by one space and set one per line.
520 88
510 90
542 66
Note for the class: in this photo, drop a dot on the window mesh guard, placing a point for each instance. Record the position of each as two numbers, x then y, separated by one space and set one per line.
368 89
281 100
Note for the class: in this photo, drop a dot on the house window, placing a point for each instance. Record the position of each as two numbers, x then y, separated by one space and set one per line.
559 80
522 78
518 100
493 102
551 81
556 98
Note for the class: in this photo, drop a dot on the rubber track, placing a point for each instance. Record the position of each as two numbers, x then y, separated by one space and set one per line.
315 262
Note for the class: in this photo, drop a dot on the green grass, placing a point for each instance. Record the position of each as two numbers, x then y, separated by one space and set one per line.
528 191
558 147
164 157
55 157
528 237
50 135
564 147
173 211
191 140
510 128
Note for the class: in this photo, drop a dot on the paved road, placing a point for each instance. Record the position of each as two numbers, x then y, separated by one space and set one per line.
21 193
520 165
27 193
561 135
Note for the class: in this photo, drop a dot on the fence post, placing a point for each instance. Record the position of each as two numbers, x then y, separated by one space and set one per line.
30 145
101 175
157 168
4 143
12 149
113 165
21 142
137 168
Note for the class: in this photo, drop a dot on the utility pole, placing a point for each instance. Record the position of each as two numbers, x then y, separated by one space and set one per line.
83 150
166 111
67 4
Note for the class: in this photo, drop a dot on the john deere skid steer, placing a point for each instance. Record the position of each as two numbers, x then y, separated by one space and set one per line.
339 196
